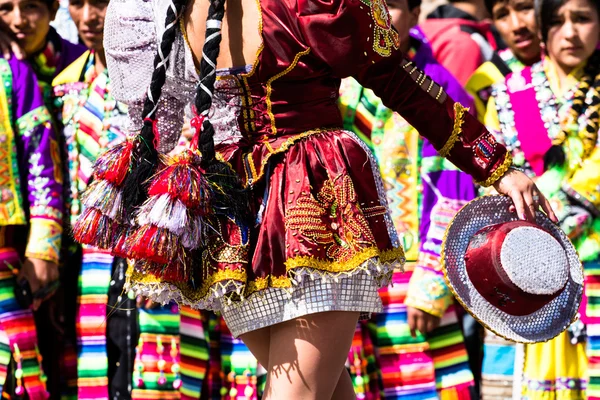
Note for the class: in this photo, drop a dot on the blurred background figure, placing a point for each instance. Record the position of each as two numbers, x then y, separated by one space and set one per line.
547 114
414 349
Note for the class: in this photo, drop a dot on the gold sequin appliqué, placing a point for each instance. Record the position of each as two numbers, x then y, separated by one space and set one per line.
333 219
385 37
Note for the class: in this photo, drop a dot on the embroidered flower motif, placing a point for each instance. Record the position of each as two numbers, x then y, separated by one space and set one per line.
333 219
385 36
39 183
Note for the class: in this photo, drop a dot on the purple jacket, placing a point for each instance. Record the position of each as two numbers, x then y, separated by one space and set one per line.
30 165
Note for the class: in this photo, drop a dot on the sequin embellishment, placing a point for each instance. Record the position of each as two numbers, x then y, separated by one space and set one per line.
385 36
334 219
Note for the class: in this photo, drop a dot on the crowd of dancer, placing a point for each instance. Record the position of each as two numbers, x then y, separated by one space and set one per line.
528 70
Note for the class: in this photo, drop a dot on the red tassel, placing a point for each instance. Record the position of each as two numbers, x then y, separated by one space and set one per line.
120 247
183 179
154 244
173 272
94 228
113 165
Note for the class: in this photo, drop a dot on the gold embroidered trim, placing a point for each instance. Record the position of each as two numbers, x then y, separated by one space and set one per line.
499 172
459 119
396 254
214 284
285 146
250 162
230 283
270 89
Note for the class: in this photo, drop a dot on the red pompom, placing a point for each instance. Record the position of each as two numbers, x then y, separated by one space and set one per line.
155 244
182 178
94 228
113 165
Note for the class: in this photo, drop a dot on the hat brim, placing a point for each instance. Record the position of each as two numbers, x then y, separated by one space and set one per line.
540 326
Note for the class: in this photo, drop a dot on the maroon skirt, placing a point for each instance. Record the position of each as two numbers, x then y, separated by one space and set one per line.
321 214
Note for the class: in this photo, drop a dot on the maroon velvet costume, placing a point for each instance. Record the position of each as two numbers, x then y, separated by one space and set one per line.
324 210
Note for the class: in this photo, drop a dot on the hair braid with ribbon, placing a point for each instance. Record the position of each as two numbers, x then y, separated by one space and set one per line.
144 160
177 208
229 197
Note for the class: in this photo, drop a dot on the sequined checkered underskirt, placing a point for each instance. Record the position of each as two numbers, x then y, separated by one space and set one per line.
357 293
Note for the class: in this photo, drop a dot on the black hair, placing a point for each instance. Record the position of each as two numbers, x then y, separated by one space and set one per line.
144 160
545 11
586 98
412 4
489 5
230 198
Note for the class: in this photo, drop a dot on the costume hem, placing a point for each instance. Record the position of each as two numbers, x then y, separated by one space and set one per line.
231 286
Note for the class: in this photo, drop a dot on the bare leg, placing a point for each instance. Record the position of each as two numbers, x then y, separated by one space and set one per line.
344 389
307 356
259 343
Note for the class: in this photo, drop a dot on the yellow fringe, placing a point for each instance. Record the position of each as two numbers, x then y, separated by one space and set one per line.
220 280
459 119
499 172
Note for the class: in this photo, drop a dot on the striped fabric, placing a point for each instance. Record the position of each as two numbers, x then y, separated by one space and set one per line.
18 330
233 372
592 320
421 367
238 365
157 326
92 365
194 352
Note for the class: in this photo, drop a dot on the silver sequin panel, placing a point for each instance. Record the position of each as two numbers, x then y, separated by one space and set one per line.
357 293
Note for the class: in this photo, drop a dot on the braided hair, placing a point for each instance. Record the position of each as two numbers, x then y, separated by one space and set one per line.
585 100
229 196
144 160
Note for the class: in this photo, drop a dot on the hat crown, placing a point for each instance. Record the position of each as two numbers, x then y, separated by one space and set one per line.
534 261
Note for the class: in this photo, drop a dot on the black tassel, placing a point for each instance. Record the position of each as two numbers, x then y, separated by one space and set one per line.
230 198
554 157
144 164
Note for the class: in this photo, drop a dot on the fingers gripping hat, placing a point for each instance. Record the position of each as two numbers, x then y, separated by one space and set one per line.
522 281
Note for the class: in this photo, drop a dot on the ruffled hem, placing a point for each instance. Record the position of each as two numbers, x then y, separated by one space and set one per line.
231 286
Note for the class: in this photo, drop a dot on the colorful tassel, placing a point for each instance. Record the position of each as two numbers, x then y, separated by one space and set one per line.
172 221
103 199
113 165
94 228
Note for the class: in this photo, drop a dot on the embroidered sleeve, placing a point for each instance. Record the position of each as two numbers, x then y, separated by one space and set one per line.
44 182
355 38
427 289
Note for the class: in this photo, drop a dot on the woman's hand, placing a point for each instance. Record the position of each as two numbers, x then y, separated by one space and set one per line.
39 274
524 194
421 321
8 43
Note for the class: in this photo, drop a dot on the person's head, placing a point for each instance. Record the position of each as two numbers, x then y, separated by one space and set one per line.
29 20
516 23
570 30
404 15
88 16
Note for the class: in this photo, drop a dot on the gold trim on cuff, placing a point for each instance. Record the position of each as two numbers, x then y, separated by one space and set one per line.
459 119
499 172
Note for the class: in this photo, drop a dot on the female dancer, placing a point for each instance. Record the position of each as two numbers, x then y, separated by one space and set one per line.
548 117
293 277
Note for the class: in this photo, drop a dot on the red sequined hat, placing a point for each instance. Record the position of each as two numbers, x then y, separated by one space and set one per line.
523 281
